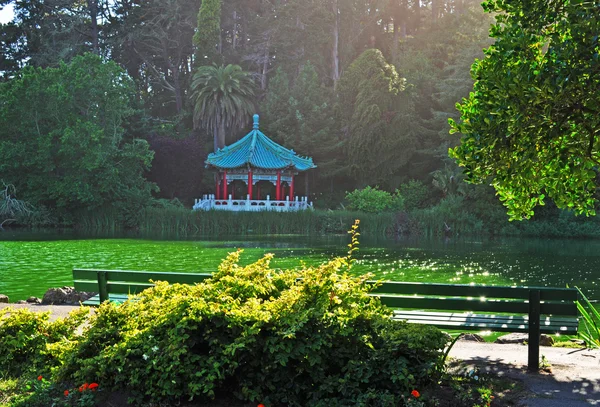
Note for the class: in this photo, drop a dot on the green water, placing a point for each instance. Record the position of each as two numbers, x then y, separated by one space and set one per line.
30 263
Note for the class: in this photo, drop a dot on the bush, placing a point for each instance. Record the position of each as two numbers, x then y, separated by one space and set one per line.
30 342
374 200
415 194
262 334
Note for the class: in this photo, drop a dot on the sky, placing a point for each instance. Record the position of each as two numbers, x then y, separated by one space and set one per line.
6 14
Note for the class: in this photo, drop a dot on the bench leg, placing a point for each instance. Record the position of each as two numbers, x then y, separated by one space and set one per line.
534 331
102 286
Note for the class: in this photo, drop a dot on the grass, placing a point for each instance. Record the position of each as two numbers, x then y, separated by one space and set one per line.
181 220
9 388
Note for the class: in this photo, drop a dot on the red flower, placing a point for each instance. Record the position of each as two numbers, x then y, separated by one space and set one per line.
93 386
40 377
83 387
261 405
66 393
415 394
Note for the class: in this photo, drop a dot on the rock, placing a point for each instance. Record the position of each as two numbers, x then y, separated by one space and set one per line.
65 295
4 299
545 340
33 300
21 302
472 338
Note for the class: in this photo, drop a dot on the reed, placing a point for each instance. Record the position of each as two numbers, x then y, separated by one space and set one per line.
590 320
181 220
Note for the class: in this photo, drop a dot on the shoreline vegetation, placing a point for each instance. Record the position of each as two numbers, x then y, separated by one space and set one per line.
449 219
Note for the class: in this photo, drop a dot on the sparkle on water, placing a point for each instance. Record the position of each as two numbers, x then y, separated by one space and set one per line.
31 263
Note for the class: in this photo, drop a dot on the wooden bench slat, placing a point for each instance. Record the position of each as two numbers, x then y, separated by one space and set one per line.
489 305
544 320
127 288
88 286
488 320
429 314
145 277
85 274
141 276
564 330
475 291
95 300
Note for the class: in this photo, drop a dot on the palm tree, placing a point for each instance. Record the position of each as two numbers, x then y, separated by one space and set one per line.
223 98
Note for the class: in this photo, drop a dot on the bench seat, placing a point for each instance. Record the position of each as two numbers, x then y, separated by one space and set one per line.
95 300
488 322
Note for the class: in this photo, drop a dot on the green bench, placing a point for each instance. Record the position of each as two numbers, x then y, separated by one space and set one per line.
480 308
117 285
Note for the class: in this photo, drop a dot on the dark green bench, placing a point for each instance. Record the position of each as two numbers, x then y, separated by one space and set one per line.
481 308
117 285
486 308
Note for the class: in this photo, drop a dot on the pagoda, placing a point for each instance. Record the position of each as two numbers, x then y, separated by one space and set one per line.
255 174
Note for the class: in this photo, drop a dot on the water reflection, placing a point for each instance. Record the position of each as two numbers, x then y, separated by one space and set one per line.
32 262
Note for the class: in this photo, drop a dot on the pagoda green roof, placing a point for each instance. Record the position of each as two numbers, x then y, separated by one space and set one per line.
256 150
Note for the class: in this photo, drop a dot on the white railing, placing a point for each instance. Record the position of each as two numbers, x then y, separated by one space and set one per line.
209 202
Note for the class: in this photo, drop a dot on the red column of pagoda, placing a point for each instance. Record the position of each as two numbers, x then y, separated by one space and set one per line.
278 194
224 185
250 184
292 189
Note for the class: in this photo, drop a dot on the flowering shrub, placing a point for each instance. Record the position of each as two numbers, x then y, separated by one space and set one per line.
45 393
261 333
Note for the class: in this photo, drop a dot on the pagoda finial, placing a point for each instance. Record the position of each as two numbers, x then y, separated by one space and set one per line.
255 122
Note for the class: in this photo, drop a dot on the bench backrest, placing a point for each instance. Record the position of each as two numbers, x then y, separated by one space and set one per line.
515 300
107 282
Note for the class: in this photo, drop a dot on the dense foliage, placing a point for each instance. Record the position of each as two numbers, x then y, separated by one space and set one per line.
302 66
304 57
531 124
62 137
374 200
253 331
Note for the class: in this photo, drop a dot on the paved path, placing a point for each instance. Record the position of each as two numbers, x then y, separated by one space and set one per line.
574 380
56 311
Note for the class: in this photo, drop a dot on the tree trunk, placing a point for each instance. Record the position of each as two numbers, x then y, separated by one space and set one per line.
216 138
93 10
221 132
234 31
177 90
418 15
335 53
435 11
265 67
396 40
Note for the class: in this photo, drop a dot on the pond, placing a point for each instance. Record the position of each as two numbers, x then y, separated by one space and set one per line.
30 263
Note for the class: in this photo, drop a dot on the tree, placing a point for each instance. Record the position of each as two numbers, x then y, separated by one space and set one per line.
301 117
207 38
154 42
531 125
62 139
382 134
223 99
